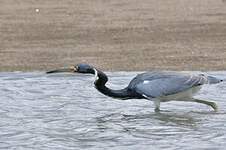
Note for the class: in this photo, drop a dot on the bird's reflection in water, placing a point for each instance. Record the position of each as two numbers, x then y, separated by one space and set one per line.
150 122
176 119
167 117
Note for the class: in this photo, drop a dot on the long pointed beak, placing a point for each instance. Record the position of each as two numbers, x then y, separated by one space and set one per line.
70 69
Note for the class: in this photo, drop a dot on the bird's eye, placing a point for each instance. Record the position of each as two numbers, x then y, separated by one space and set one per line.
76 67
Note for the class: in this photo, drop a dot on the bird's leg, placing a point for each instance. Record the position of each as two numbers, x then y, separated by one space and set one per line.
157 105
211 104
156 102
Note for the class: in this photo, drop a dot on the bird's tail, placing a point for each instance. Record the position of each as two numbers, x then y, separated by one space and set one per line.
213 80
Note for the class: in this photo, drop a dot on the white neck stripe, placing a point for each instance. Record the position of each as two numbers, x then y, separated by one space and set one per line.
96 74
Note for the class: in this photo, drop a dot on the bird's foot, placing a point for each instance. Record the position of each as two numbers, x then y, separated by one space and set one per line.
157 109
209 103
214 106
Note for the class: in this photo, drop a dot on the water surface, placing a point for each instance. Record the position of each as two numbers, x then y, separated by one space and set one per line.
64 111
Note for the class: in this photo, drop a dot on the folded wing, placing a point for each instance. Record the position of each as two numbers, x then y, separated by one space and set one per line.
157 84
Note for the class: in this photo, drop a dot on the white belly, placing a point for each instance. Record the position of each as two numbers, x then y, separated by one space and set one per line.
182 96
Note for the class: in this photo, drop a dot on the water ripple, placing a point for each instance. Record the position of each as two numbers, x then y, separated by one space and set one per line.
64 111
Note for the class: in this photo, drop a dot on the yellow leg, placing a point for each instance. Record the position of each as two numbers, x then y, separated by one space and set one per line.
211 104
157 105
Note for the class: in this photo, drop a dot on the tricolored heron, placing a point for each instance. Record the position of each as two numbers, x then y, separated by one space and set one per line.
157 86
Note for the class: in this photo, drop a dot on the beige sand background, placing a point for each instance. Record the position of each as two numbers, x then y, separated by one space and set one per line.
113 34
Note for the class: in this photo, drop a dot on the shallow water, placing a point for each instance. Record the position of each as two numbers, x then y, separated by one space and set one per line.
64 111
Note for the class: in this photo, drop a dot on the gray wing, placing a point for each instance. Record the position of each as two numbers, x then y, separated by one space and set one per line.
156 84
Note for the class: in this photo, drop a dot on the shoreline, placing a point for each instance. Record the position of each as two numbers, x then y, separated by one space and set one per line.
120 35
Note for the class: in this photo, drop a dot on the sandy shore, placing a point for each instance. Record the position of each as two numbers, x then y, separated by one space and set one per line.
113 34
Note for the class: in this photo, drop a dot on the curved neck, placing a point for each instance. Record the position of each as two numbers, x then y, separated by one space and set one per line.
101 80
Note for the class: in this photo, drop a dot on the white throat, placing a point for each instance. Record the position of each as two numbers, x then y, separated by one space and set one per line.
96 74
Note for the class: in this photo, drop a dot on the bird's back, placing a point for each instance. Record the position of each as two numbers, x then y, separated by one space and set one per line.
163 83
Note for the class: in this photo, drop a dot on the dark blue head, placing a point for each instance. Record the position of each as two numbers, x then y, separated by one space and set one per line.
79 68
84 68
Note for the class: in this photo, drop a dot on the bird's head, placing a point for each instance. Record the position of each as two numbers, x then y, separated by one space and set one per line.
79 68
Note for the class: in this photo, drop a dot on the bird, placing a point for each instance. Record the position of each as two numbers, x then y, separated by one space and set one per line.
156 86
